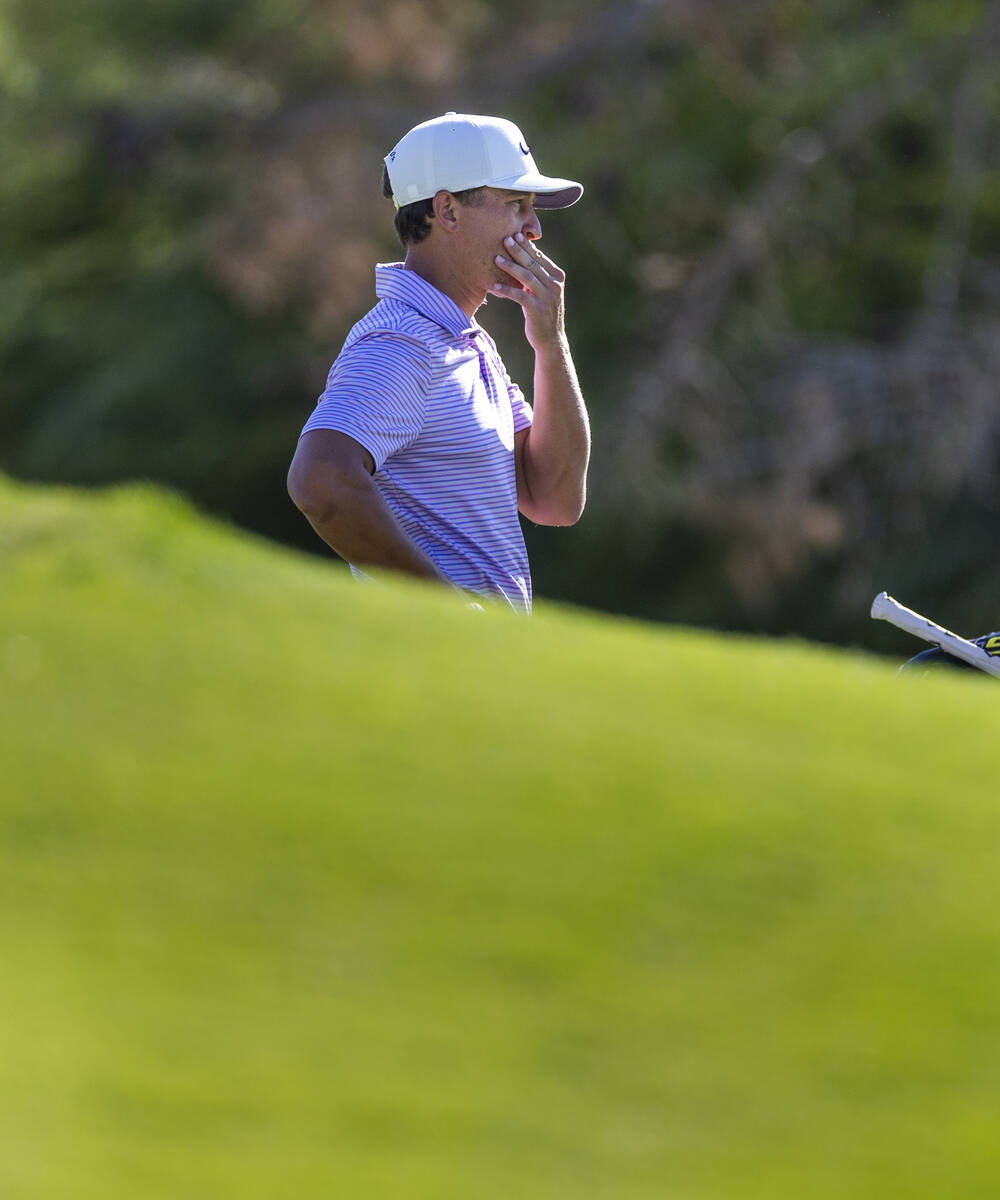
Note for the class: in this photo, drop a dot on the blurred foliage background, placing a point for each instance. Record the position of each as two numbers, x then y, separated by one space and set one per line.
783 292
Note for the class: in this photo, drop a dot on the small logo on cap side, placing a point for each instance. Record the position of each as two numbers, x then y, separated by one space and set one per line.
524 148
392 156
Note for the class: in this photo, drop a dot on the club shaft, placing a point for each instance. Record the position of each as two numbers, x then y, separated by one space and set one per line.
885 608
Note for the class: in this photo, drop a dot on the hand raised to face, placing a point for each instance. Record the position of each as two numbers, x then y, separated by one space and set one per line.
537 284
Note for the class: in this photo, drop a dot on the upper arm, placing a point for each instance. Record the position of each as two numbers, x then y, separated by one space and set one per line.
548 495
323 460
524 503
376 394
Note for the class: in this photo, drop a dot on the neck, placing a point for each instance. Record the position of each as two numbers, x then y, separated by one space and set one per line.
446 279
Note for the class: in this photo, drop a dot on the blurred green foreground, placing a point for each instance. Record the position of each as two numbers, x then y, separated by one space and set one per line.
315 889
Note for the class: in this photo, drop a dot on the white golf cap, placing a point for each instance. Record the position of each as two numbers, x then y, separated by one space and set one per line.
457 151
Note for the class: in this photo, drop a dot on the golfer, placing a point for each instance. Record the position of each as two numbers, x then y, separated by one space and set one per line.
421 451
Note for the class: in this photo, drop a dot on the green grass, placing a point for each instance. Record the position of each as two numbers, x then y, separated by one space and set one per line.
315 889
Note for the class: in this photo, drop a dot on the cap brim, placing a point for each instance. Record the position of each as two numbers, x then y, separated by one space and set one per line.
548 192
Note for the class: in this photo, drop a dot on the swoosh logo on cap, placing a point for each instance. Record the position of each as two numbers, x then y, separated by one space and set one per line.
524 148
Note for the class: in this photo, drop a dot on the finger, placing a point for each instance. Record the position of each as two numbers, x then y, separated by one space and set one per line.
523 274
513 291
551 268
523 253
536 257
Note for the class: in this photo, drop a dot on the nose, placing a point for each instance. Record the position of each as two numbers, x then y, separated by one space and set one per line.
532 227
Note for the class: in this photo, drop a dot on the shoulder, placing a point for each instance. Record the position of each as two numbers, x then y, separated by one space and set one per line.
381 359
391 320
387 335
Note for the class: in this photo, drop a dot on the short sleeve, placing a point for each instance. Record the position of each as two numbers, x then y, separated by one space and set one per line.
376 393
521 409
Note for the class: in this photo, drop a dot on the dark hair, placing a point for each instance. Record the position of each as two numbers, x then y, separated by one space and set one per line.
413 221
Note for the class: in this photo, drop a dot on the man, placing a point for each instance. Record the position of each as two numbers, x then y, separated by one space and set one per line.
421 451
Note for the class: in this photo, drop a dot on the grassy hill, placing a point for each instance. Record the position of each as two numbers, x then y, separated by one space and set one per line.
315 889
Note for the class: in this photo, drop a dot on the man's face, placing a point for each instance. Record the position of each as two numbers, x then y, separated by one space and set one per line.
498 215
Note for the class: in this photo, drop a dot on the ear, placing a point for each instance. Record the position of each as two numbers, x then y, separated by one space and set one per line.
446 209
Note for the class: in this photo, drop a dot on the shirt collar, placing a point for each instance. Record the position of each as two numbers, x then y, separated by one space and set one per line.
394 282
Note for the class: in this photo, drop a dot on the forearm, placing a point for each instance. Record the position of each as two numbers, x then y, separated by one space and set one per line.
556 450
355 521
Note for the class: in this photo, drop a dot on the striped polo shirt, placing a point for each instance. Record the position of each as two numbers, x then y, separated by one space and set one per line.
423 389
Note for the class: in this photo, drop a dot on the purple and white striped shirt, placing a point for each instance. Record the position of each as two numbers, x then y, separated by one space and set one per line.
423 389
